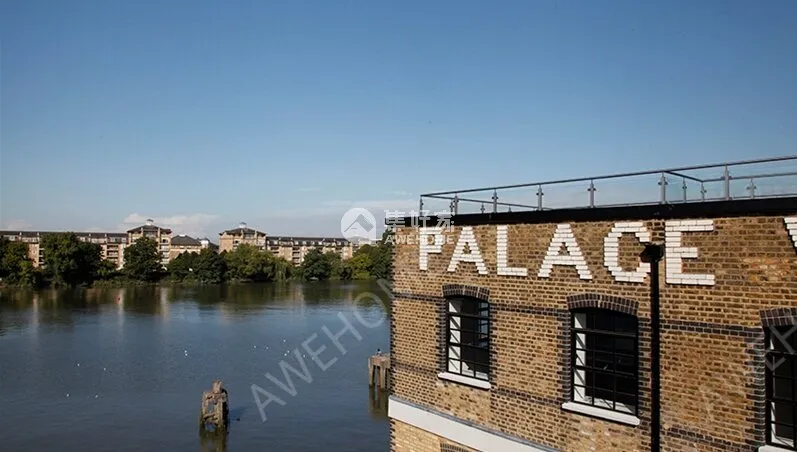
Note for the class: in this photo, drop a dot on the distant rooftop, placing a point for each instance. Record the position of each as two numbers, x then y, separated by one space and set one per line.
763 178
79 234
184 240
330 240
241 229
149 226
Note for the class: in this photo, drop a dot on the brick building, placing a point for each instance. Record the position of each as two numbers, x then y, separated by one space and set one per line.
294 249
112 244
291 248
231 238
537 330
161 236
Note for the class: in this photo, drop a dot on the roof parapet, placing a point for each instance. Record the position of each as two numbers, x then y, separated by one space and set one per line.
750 179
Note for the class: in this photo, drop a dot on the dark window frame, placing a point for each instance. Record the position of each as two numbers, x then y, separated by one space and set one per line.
773 356
589 369
479 367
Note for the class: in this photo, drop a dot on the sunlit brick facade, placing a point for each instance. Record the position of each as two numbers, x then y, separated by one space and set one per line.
533 331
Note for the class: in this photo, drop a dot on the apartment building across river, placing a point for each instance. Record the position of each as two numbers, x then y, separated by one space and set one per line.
291 248
113 244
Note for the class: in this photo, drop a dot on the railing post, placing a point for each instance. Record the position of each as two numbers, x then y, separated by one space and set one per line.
751 188
482 209
727 177
420 205
663 185
591 191
495 201
702 191
685 187
539 197
456 204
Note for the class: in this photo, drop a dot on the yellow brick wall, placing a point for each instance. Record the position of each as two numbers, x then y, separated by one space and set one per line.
706 378
406 438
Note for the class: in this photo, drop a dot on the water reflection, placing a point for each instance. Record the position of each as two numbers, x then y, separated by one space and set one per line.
34 321
58 306
212 440
377 403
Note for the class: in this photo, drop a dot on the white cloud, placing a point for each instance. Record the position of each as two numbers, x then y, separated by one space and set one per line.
195 225
17 224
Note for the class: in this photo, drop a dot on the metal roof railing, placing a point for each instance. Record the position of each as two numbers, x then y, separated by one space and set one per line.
762 178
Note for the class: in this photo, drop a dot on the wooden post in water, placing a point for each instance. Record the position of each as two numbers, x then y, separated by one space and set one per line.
379 364
215 410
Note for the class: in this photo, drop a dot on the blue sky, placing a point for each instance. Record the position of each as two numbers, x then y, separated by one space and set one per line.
284 114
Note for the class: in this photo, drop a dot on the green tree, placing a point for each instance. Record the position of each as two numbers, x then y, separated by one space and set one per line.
358 267
282 268
143 261
29 276
335 262
12 256
378 260
15 265
68 261
372 261
209 267
316 265
107 270
248 263
181 268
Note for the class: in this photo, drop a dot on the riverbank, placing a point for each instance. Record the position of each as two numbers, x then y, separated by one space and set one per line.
120 283
74 263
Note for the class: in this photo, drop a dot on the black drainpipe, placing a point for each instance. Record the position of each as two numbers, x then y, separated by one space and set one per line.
653 254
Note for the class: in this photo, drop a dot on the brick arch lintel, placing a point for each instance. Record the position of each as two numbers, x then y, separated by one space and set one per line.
463 290
779 317
602 301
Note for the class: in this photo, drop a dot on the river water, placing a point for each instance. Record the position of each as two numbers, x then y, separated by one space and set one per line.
124 369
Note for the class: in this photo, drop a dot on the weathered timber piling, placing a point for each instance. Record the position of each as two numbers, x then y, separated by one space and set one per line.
378 370
215 410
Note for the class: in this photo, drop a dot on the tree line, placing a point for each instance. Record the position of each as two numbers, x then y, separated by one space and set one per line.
70 262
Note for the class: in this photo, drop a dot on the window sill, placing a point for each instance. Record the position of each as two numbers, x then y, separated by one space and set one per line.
609 415
771 448
476 383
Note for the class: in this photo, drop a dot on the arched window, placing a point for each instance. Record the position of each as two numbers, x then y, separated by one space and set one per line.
604 349
468 337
